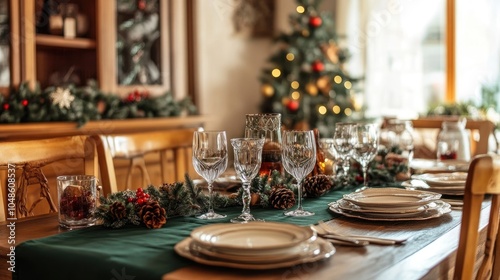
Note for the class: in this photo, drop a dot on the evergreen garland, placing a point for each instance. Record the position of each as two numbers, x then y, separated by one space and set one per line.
83 104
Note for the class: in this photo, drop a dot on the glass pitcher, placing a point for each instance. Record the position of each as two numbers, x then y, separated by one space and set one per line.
453 141
266 126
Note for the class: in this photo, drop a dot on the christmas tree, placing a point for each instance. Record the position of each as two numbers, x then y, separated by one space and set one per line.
306 81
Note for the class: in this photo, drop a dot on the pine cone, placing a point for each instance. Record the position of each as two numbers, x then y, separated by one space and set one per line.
282 198
153 215
117 210
317 185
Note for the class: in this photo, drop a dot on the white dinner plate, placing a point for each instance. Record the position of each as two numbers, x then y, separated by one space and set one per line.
319 249
440 209
347 205
442 179
252 238
416 184
433 165
391 197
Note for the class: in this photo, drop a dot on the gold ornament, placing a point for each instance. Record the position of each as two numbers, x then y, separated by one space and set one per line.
331 52
312 89
323 84
267 90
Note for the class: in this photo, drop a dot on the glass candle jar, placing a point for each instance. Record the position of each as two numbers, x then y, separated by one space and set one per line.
267 126
77 195
453 141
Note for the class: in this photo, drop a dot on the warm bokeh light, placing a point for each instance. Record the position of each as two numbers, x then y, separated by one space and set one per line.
295 95
276 72
300 9
267 90
348 85
337 79
336 109
290 56
322 110
295 85
348 111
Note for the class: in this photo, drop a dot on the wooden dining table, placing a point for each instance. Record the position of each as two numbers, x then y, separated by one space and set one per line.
428 253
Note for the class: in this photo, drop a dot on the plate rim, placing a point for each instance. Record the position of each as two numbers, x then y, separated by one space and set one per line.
327 250
425 197
301 234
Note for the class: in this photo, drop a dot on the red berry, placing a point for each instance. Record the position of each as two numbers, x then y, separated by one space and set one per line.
130 199
315 21
140 201
24 102
6 106
130 98
146 195
139 190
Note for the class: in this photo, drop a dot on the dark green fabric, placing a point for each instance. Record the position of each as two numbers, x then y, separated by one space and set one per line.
133 251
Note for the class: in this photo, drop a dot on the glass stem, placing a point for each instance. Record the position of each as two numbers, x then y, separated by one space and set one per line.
246 198
299 194
365 171
210 200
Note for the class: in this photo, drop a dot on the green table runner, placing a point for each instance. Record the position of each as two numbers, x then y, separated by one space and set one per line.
133 251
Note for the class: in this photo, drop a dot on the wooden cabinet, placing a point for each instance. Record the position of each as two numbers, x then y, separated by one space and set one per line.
10 70
52 59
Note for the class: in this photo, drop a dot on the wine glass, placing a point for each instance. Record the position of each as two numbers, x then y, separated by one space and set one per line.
365 141
247 160
344 143
209 161
299 159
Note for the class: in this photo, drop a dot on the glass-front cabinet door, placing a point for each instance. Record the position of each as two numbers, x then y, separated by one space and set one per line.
4 44
137 44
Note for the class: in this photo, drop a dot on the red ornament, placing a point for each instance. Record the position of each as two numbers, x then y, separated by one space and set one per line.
24 102
131 97
292 105
317 66
315 21
141 5
6 106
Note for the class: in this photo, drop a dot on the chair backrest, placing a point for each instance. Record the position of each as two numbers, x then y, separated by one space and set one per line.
25 164
483 178
174 147
482 132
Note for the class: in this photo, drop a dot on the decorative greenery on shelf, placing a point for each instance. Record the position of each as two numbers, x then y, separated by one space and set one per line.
82 104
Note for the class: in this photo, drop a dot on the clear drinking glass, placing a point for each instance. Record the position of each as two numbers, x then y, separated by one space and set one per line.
247 160
210 161
344 144
299 158
366 137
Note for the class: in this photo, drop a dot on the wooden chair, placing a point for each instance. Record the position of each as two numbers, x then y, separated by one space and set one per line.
173 146
482 132
31 160
483 178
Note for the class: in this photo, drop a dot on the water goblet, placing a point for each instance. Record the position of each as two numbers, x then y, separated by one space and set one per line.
365 141
209 161
299 159
247 161
343 143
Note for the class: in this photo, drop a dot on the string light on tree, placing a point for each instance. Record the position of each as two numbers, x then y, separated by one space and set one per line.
307 73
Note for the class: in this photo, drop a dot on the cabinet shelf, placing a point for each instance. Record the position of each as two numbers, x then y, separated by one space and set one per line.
61 42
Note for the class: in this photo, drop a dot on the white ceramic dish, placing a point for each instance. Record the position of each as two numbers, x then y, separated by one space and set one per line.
319 249
442 179
347 205
391 197
252 238
433 165
441 209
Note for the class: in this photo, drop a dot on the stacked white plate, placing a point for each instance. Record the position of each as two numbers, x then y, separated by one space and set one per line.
391 204
256 245
443 183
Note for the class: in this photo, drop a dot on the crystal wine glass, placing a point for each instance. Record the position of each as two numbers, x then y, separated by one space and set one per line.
209 161
247 160
343 143
365 140
299 158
